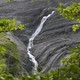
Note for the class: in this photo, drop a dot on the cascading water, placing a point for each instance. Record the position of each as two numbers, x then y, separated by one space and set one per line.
30 44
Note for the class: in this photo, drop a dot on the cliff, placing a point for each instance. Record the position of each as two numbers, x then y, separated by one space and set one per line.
53 42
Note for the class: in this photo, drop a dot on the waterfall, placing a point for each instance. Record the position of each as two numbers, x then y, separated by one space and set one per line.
30 44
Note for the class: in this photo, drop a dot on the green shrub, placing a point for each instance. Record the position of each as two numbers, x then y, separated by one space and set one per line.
10 25
71 12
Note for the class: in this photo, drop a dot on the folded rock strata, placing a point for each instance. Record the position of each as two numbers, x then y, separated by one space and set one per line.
53 42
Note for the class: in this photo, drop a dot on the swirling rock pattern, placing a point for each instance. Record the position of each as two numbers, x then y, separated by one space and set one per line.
53 42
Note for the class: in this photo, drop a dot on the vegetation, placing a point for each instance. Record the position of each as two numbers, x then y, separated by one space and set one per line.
9 55
42 0
71 12
69 71
10 25
8 1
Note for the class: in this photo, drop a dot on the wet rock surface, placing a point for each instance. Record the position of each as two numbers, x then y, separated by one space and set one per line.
53 42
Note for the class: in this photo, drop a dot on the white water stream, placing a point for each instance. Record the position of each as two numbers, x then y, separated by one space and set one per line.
30 44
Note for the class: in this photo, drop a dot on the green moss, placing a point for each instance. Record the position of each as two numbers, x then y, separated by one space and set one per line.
8 49
12 55
10 46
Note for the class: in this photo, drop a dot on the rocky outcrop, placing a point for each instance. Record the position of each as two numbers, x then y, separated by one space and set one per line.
53 42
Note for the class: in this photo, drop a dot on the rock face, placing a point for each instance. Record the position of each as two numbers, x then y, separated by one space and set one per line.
53 42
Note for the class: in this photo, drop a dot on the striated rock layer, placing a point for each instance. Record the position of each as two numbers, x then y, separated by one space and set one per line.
53 42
